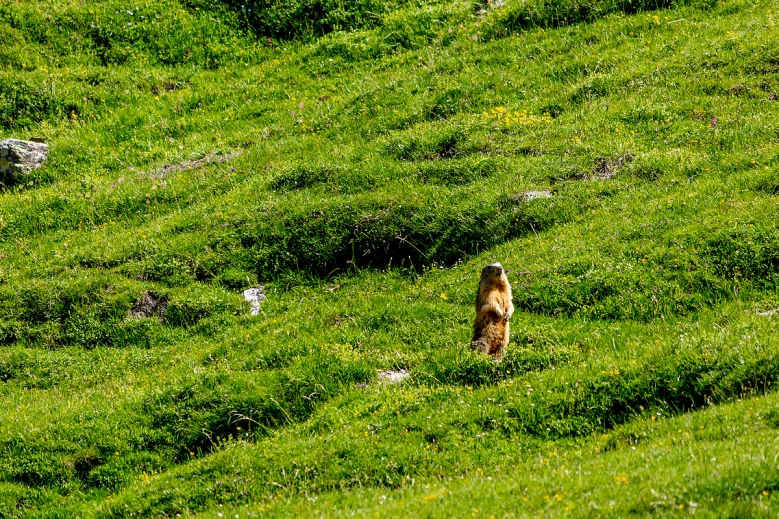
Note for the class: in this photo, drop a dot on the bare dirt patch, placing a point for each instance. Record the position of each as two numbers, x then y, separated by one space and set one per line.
606 168
149 305
166 170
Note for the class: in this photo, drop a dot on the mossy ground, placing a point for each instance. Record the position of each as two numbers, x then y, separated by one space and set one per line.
363 166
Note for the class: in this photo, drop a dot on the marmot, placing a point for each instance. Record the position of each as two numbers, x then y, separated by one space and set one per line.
493 311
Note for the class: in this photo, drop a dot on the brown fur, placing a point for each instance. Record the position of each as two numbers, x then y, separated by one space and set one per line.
493 311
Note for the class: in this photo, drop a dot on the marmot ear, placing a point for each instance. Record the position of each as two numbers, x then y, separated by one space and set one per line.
507 271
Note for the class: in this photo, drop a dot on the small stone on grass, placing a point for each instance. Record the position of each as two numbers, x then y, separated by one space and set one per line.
392 376
527 196
255 296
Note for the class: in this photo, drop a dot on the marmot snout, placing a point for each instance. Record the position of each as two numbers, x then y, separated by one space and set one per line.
493 311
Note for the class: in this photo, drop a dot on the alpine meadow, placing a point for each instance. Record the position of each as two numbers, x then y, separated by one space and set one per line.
357 163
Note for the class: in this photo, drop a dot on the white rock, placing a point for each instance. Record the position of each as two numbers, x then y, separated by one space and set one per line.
255 296
392 376
527 196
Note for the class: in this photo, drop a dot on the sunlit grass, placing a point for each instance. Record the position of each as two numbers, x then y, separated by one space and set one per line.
620 161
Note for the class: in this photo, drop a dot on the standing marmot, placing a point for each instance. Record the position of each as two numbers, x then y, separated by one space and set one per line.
493 311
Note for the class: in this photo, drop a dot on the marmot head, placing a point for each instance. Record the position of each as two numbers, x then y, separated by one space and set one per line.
493 270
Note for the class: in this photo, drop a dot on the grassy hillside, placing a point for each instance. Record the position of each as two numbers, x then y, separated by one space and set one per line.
362 161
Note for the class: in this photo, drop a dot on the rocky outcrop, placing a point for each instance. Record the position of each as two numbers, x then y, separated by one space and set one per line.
18 158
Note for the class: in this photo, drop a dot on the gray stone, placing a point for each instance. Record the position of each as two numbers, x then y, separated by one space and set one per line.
19 158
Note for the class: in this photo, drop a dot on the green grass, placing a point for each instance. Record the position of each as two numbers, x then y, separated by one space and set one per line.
363 161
